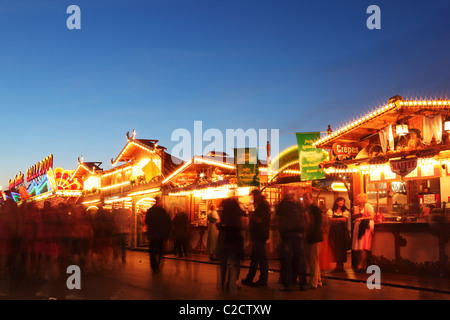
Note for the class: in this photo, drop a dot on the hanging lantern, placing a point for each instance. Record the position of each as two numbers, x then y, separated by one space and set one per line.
447 124
401 129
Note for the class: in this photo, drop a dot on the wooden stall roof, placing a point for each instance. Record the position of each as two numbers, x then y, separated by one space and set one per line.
86 168
136 146
382 117
225 163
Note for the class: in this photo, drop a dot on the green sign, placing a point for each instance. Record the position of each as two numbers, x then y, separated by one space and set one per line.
247 171
309 156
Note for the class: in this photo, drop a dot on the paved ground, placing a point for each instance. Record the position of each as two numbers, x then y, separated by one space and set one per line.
196 279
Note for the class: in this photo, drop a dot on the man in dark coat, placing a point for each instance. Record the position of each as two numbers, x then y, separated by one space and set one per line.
181 232
259 225
158 230
230 242
291 222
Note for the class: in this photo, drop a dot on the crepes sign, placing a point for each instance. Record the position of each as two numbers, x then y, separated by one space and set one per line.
344 149
403 166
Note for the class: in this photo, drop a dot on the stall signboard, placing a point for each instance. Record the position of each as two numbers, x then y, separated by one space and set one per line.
310 157
35 179
403 166
17 181
247 170
40 168
345 150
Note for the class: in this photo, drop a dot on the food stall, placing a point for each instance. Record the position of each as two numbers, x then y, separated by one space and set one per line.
399 155
132 183
199 183
283 173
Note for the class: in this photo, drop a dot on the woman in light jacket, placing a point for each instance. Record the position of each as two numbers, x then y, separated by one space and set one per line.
363 217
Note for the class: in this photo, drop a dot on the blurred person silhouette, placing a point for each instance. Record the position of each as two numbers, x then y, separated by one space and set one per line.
50 251
16 261
86 240
140 222
259 224
103 227
291 224
180 225
30 237
63 233
213 232
325 256
363 216
8 210
231 243
81 237
314 238
338 235
122 229
158 230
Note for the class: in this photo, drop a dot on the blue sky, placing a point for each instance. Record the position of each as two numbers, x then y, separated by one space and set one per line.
159 65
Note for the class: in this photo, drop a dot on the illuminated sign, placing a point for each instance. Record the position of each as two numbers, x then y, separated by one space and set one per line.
18 179
342 149
40 168
403 166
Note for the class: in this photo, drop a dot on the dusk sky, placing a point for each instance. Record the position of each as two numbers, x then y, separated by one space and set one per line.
159 65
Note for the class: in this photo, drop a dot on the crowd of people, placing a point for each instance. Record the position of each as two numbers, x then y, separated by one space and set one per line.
310 239
40 243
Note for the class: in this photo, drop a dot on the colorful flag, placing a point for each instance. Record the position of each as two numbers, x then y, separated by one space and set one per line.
150 170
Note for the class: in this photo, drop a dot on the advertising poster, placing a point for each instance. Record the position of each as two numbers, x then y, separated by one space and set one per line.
247 172
309 156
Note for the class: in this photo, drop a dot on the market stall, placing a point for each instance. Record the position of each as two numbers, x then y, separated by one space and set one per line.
398 155
197 185
132 183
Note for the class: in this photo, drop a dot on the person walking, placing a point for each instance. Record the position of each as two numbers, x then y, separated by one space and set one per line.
181 232
231 243
313 240
158 230
259 225
338 235
122 222
291 221
213 232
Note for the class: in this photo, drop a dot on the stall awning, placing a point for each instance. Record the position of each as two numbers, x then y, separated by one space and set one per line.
386 115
